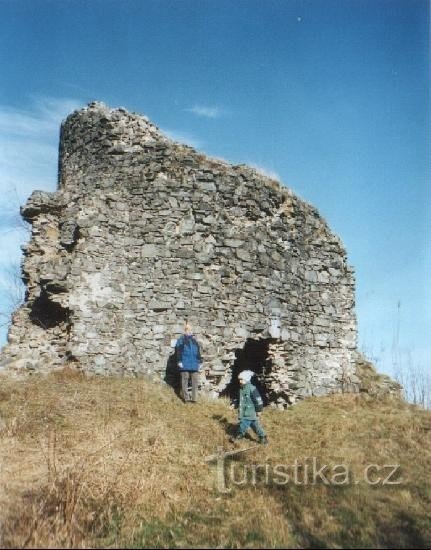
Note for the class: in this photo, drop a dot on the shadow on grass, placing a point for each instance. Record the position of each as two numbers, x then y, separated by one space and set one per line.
231 428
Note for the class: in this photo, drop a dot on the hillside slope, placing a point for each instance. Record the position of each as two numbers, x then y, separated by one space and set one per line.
123 462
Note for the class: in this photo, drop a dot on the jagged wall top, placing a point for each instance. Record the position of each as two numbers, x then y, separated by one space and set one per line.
102 134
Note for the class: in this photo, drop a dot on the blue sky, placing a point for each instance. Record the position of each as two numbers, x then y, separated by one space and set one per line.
330 96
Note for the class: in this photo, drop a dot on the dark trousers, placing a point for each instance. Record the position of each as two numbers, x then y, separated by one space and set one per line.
246 423
185 375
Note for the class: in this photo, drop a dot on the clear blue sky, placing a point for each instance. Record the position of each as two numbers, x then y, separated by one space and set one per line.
332 96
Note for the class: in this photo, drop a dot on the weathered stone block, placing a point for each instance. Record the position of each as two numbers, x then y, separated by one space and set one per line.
150 251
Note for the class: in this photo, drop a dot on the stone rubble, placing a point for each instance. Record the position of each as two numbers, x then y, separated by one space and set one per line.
145 233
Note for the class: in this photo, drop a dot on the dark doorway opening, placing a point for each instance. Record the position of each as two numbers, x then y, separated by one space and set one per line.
46 313
253 356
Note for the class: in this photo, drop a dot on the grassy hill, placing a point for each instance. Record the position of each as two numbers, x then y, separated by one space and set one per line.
92 462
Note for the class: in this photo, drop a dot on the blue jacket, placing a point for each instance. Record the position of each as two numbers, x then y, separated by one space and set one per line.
188 353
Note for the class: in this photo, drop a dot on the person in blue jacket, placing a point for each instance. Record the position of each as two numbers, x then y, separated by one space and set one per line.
189 363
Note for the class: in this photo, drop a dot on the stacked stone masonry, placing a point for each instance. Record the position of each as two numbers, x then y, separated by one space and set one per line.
145 233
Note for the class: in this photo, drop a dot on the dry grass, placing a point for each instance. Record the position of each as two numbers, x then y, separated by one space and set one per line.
91 462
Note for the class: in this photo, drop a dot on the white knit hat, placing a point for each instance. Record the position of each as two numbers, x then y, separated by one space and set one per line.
246 375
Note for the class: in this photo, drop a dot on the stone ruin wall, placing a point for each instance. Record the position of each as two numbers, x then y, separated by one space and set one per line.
144 233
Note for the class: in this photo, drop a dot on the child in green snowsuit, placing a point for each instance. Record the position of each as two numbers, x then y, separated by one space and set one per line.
250 407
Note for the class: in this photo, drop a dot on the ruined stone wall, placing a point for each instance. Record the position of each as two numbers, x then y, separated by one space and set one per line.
144 233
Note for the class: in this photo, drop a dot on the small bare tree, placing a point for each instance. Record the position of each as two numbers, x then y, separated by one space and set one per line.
414 378
14 292
13 289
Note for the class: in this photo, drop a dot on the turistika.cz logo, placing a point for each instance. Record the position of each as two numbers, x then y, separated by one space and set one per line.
310 471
